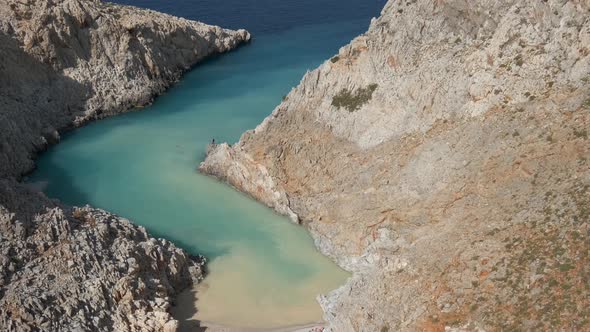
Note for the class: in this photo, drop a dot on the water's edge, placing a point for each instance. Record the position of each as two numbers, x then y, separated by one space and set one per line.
73 126
73 161
213 166
71 130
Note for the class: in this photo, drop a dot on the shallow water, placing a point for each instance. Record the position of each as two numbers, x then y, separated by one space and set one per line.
263 270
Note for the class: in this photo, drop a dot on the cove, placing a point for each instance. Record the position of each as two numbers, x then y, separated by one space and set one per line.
263 271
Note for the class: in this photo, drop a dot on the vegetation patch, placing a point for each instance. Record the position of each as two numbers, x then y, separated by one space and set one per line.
581 134
519 60
352 101
335 59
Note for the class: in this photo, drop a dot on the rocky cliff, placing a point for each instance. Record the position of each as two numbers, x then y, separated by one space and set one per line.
83 269
442 157
63 63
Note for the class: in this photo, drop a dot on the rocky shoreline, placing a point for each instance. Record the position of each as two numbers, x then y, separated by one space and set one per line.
64 63
442 158
68 269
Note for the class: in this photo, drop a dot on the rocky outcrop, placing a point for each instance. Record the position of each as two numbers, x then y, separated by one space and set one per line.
442 157
63 63
83 269
66 62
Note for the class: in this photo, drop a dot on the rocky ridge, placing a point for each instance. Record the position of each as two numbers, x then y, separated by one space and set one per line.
66 62
62 64
442 157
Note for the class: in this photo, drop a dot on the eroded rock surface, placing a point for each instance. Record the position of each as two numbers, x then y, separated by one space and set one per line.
84 269
442 157
63 63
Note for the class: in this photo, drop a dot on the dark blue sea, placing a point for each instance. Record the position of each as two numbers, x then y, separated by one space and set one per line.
268 16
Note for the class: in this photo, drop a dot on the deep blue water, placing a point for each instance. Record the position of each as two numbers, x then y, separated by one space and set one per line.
268 16
264 271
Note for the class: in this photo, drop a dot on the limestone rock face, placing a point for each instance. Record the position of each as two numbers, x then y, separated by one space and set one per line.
63 63
442 157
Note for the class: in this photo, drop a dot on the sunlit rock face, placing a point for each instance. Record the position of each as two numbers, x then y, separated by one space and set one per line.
441 157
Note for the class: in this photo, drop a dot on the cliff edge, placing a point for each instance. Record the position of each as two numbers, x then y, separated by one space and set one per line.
442 157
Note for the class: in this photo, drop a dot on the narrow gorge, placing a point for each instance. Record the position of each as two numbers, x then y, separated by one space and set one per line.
62 64
432 174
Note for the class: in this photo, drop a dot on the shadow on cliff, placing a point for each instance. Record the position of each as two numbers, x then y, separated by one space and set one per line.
185 310
35 100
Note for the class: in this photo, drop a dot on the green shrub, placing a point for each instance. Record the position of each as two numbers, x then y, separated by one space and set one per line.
519 60
353 101
335 59
581 134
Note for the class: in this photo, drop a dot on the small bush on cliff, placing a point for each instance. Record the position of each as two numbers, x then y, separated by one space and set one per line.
353 101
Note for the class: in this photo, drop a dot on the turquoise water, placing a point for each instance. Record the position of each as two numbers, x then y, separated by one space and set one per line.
264 271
